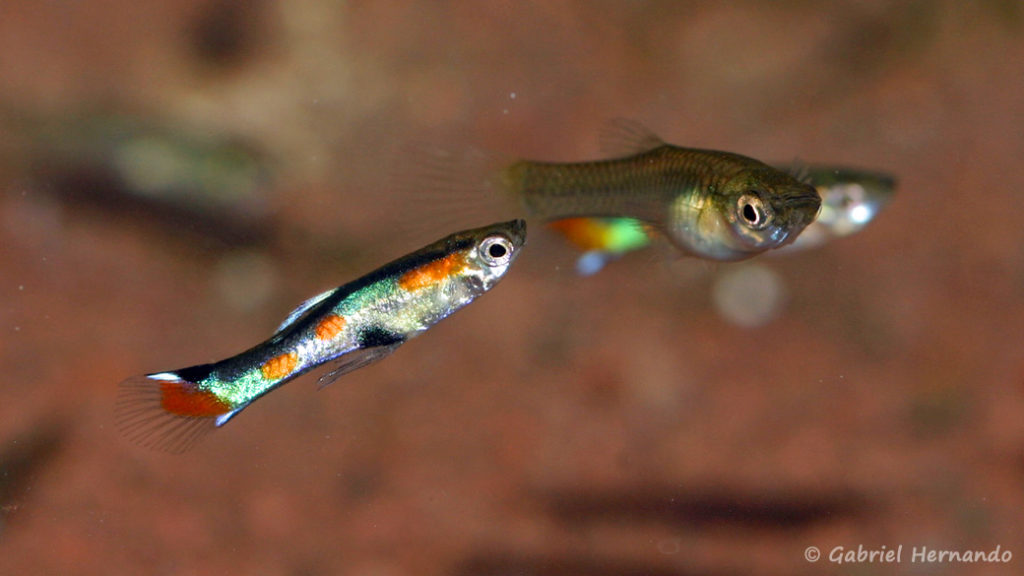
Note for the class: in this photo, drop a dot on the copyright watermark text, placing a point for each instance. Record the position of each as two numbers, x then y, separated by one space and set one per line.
907 554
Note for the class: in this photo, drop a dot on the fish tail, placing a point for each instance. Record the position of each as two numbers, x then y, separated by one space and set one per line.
169 411
452 189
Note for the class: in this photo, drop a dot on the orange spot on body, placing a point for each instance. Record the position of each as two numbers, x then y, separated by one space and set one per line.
279 366
432 273
187 399
330 327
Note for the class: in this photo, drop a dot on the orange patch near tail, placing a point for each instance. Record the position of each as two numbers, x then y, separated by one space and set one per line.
330 327
585 233
432 273
280 366
186 399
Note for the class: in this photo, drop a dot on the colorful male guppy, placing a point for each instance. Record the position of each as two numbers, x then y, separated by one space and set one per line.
350 326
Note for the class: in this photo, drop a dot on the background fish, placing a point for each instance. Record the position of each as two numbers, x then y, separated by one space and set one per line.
709 204
350 326
851 199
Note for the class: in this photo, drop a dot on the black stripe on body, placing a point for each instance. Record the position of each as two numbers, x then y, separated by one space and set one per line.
194 374
376 336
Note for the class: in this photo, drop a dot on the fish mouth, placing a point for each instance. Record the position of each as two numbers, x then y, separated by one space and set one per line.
799 209
803 208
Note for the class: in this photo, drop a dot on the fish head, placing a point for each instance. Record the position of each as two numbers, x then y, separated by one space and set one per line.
762 209
491 250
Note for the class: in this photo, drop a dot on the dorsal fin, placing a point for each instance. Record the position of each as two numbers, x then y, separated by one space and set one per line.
624 137
798 169
302 309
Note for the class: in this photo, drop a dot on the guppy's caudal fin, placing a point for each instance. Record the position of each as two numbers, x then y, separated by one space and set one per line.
452 189
168 410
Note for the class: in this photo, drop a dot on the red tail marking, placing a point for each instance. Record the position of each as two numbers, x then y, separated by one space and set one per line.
186 399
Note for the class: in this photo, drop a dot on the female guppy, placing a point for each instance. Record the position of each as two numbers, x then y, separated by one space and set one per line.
709 204
850 199
350 326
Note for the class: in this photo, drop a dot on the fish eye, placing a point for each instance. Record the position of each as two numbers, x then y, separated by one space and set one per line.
754 212
496 250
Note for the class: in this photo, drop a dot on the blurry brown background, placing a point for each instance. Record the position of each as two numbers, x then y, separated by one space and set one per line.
177 176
